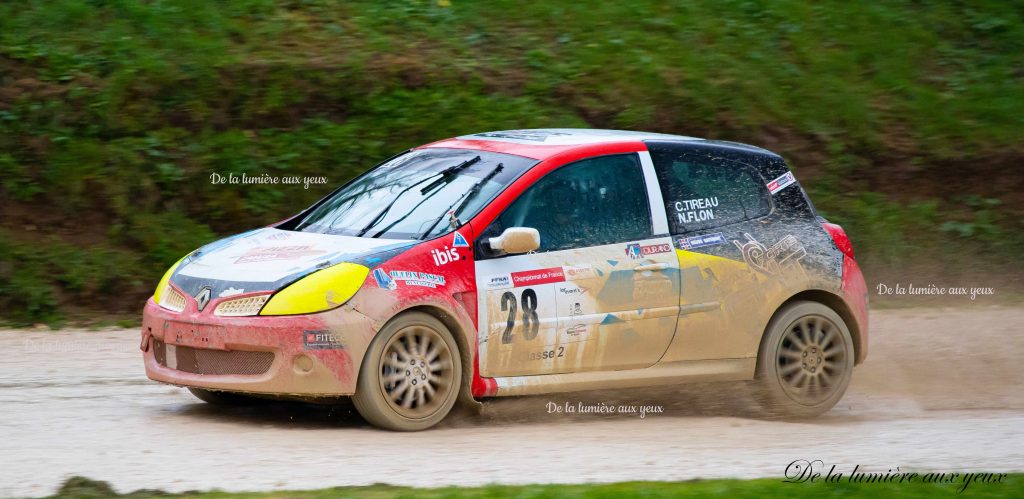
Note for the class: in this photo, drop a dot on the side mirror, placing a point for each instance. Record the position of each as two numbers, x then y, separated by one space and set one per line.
515 240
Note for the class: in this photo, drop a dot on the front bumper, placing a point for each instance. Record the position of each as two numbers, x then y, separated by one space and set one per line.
302 355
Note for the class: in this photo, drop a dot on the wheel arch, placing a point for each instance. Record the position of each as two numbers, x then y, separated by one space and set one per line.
832 301
458 331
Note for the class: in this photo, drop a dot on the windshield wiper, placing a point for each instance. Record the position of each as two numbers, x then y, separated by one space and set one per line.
446 176
462 201
380 214
449 172
403 217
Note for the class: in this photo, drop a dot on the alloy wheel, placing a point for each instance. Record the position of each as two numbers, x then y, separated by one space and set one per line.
416 372
811 359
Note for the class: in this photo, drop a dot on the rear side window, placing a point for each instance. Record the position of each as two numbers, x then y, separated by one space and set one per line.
591 202
702 192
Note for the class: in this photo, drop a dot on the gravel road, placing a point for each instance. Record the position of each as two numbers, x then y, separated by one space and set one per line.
941 390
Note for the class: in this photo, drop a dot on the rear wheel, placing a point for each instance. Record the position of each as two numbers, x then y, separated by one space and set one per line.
805 362
223 398
410 376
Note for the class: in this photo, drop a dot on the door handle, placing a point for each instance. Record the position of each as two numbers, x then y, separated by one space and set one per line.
653 267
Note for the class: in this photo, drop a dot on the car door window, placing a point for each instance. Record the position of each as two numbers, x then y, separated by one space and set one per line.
591 202
702 192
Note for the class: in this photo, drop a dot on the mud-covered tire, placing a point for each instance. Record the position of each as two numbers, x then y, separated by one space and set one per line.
805 361
410 375
223 398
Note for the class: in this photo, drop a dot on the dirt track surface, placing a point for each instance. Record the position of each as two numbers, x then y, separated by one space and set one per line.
941 390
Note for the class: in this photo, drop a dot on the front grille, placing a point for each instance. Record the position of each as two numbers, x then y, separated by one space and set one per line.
205 361
172 299
241 307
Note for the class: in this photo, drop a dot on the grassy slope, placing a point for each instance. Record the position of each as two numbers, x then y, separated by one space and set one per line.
113 114
1011 486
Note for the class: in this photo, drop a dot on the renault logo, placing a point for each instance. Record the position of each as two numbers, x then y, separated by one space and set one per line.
203 297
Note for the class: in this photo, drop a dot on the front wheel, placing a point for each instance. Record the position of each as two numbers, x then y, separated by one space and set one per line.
805 362
410 376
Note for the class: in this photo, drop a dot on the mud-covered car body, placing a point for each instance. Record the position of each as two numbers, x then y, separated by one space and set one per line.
661 258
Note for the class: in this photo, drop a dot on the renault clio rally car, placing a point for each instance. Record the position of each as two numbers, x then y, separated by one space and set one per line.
524 262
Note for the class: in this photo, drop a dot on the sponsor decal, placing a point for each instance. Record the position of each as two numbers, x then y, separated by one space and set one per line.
769 261
230 292
782 182
696 210
458 241
539 276
694 242
573 273
383 279
570 290
576 310
410 278
655 249
635 251
267 254
576 331
573 311
503 281
444 256
321 340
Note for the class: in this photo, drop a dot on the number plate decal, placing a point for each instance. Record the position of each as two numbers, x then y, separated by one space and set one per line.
194 335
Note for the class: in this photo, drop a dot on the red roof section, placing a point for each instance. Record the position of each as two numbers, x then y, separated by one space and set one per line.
543 144
539 152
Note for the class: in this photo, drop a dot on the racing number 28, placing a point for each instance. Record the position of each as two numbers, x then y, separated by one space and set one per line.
531 322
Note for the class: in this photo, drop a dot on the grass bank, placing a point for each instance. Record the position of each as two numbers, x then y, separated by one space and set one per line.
1011 485
904 120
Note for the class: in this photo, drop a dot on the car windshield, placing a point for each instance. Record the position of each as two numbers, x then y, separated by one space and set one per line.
411 195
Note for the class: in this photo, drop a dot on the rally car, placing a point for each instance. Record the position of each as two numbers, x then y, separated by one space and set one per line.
524 262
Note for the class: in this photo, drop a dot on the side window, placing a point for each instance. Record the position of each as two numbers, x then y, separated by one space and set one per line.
588 203
701 192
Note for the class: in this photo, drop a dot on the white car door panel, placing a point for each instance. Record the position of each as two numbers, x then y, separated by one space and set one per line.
605 306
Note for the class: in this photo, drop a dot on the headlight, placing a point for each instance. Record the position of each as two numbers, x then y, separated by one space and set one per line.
322 290
165 295
241 307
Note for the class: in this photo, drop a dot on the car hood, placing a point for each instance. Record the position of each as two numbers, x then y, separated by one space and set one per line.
269 259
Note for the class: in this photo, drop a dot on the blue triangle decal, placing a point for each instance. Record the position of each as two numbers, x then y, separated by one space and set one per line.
459 242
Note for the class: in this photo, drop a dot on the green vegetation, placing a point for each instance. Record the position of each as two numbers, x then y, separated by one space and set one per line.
904 120
1011 486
